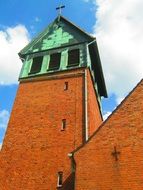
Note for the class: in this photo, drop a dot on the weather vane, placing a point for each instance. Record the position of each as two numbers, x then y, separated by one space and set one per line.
60 9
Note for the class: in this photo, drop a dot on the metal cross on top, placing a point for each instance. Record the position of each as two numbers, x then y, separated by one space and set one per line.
60 9
115 153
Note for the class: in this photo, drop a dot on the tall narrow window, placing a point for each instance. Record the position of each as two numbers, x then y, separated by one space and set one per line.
66 86
55 61
60 179
36 65
73 58
63 127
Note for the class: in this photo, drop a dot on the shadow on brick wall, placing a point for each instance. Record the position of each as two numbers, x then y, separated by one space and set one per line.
69 183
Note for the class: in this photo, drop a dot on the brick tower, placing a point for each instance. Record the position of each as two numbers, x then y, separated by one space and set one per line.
57 108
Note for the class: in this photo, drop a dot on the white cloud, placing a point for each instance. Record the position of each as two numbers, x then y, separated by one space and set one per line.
119 100
12 40
106 115
119 35
4 117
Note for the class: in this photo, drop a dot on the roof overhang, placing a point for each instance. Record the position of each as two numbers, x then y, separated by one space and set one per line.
97 68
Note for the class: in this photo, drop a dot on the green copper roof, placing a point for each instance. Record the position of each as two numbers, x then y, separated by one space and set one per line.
59 33
62 35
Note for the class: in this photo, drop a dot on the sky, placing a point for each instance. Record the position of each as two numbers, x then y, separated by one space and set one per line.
116 24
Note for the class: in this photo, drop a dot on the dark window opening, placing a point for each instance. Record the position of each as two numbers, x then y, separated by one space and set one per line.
55 61
73 57
36 65
66 86
63 127
60 179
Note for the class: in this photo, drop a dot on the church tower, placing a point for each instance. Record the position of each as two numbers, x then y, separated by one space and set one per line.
57 108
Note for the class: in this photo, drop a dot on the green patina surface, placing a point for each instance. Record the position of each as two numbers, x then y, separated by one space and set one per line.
25 72
58 37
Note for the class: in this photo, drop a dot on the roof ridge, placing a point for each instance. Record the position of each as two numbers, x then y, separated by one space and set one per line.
35 39
82 30
41 34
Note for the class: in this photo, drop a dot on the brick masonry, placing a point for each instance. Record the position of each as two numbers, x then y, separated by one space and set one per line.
97 168
35 149
94 114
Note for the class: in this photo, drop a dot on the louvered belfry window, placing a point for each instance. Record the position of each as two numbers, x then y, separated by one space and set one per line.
55 60
73 57
36 65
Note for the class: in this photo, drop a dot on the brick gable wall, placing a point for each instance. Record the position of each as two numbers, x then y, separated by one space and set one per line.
97 168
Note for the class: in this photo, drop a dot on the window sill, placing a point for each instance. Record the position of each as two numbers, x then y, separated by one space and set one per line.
54 68
59 186
62 129
74 65
33 73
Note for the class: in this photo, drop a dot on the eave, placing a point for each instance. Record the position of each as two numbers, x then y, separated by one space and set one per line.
97 68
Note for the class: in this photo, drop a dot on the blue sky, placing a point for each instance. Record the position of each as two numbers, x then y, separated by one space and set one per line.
25 12
119 36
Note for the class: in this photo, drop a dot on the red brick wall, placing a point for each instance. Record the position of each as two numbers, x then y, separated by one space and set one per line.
35 149
94 115
97 168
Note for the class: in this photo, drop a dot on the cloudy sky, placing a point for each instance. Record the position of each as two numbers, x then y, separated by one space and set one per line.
116 24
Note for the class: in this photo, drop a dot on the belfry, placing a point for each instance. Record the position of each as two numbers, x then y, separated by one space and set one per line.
56 138
56 110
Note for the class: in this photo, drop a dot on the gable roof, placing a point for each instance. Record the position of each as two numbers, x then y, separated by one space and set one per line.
77 27
80 36
48 30
139 97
